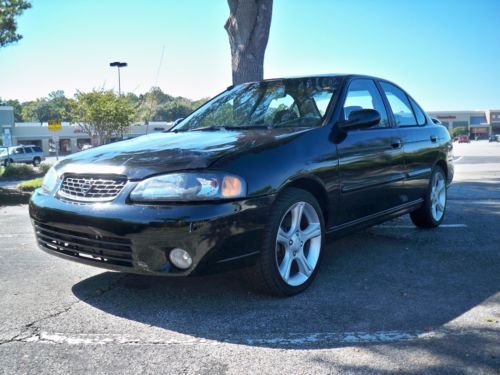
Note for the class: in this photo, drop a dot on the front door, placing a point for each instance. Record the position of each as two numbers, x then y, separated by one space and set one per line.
370 160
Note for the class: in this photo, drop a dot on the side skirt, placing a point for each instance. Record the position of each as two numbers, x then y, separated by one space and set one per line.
374 219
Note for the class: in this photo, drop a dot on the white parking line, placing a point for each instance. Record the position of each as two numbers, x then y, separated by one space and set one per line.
414 227
272 340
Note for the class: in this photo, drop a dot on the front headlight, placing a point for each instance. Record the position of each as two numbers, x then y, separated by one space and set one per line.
49 181
189 187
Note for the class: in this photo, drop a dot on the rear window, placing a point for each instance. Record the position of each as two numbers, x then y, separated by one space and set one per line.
400 106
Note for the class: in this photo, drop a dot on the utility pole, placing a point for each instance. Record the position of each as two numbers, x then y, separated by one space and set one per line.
118 65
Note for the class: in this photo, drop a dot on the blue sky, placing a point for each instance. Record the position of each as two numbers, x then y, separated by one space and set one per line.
446 53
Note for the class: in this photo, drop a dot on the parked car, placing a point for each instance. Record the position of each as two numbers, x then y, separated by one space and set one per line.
462 138
29 154
257 177
493 138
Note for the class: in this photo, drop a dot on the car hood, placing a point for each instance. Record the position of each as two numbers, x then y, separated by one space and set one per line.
167 152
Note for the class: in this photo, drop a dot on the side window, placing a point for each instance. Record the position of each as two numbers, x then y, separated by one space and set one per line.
419 114
400 106
19 151
28 150
363 94
37 149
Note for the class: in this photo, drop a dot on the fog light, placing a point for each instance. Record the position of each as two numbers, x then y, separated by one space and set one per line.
180 258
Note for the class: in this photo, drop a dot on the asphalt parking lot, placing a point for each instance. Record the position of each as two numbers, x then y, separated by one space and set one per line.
388 299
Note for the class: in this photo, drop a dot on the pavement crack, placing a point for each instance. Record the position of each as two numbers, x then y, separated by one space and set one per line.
31 331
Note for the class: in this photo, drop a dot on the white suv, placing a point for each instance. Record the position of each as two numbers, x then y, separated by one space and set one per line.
29 154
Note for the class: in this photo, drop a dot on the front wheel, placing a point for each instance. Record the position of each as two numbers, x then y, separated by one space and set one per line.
431 214
36 162
292 247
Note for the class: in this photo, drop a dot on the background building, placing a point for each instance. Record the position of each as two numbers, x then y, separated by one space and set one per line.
477 123
69 139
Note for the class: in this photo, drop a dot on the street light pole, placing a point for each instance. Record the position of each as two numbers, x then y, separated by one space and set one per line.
118 65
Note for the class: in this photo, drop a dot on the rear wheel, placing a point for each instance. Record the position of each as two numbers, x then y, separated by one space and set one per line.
7 162
431 214
292 247
36 162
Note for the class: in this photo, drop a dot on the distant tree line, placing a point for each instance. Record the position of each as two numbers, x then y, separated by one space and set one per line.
154 105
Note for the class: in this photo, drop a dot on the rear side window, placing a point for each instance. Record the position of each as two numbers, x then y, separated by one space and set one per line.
419 114
37 149
363 94
400 105
28 150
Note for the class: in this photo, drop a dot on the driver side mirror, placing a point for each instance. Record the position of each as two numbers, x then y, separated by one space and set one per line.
360 119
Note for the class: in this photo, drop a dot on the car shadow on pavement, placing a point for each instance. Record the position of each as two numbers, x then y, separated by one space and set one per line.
377 280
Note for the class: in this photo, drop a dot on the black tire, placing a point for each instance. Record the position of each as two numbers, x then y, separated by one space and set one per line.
265 275
7 162
424 217
36 162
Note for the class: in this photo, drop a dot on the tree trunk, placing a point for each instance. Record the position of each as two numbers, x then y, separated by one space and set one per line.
248 30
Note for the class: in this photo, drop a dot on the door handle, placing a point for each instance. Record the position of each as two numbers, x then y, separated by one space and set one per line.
433 138
396 143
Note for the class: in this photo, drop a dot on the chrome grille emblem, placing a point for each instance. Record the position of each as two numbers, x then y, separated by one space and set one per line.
91 188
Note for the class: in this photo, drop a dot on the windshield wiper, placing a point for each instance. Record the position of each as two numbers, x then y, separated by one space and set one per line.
208 128
247 127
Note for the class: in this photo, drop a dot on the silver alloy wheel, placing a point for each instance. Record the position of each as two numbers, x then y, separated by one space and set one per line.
298 243
438 196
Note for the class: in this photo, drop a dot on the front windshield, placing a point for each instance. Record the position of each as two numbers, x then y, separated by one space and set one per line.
295 102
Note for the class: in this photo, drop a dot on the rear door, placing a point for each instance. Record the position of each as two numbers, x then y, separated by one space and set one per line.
28 155
370 160
419 137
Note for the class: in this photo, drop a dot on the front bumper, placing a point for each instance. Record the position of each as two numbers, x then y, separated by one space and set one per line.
137 238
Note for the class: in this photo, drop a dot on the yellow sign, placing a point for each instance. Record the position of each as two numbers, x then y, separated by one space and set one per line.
55 125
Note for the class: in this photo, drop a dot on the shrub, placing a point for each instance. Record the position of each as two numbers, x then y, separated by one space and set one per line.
44 167
30 185
18 170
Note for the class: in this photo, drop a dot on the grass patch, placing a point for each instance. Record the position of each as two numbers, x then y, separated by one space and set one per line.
30 185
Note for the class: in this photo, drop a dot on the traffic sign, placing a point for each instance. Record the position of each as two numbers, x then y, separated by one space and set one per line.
55 125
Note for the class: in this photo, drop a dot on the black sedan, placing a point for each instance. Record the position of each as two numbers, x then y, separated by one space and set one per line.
257 177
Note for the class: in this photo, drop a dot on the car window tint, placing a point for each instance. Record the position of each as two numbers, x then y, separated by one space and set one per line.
419 114
28 150
400 106
363 94
19 151
37 149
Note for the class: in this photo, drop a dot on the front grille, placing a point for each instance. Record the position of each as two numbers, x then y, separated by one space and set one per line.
108 250
88 188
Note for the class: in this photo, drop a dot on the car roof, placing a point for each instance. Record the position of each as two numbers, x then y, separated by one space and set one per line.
332 75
